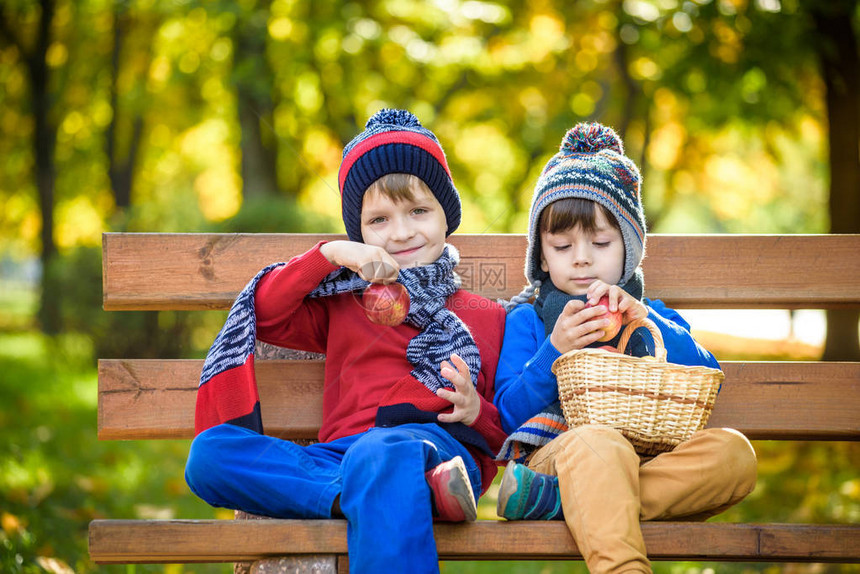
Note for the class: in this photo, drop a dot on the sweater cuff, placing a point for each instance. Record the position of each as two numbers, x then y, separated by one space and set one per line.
301 275
481 422
489 426
545 357
314 262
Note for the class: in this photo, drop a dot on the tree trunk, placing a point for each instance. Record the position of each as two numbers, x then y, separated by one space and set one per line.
259 161
254 82
122 159
44 140
840 65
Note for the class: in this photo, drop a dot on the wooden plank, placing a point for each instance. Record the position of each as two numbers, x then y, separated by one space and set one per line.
753 271
206 271
790 400
146 399
171 541
154 399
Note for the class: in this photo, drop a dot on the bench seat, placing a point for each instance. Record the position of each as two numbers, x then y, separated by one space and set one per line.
782 400
130 541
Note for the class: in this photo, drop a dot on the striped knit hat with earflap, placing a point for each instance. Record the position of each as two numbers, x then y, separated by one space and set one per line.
394 141
590 165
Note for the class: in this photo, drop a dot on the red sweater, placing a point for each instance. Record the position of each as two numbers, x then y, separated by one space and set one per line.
365 361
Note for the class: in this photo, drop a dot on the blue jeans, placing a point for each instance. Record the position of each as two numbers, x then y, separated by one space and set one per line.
379 475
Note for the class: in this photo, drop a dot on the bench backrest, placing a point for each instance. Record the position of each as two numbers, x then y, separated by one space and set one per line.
144 399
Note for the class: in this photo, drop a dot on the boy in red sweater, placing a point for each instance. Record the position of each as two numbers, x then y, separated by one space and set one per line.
409 427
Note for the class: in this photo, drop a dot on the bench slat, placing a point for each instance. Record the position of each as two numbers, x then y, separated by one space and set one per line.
153 541
148 399
206 271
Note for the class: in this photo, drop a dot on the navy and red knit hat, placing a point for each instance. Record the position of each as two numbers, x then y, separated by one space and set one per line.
394 141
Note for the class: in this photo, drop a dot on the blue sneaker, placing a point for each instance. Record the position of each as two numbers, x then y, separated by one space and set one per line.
528 495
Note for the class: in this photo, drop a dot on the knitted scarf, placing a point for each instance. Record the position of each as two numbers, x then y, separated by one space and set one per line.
442 332
228 389
549 423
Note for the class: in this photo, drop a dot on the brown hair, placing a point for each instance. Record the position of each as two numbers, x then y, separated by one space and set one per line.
569 212
398 186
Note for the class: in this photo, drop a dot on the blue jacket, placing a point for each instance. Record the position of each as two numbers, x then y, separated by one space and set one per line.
525 385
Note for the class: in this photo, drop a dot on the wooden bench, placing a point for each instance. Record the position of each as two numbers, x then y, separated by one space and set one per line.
154 399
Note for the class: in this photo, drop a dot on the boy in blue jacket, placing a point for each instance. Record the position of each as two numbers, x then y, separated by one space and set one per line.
587 240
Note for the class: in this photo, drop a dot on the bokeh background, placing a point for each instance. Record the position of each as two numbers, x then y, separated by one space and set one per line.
193 115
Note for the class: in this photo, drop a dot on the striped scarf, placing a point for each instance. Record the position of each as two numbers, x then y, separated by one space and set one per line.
228 387
534 433
442 332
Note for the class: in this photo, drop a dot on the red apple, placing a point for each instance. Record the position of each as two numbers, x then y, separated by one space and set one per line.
386 304
609 348
614 320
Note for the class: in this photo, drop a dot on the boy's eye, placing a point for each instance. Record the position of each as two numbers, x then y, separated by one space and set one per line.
376 220
419 211
601 243
561 247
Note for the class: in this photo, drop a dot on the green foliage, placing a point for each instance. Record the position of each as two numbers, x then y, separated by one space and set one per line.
735 61
55 476
274 215
195 107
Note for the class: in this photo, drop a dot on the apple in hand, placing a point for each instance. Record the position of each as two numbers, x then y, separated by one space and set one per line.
614 320
386 304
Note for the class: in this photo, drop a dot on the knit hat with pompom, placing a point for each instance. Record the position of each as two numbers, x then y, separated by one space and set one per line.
591 165
394 141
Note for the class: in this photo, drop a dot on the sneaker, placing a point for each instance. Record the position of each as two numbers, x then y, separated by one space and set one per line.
451 492
528 495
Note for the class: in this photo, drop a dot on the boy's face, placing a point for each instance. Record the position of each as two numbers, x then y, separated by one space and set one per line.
574 258
411 230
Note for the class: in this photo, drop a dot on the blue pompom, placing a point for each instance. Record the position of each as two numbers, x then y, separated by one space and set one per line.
391 117
591 138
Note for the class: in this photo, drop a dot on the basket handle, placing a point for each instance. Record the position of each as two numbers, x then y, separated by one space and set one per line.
659 347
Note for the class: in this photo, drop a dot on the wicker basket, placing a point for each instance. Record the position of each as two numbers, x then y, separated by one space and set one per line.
655 404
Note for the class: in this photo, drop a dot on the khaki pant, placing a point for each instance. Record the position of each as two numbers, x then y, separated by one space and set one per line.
606 488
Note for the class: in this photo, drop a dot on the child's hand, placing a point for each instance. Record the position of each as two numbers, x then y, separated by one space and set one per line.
577 326
372 263
467 405
619 300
